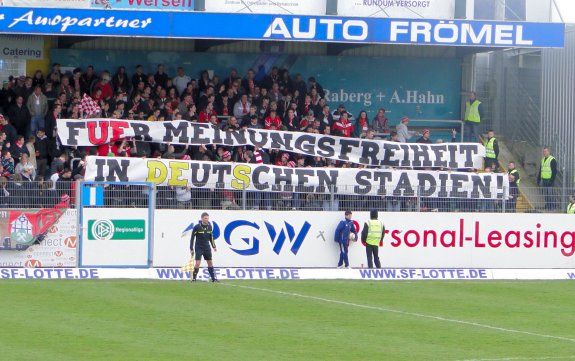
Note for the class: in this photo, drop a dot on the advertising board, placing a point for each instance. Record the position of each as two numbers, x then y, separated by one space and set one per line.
57 249
412 240
242 273
116 237
420 88
160 24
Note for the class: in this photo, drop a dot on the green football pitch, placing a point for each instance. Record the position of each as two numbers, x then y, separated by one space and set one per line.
286 320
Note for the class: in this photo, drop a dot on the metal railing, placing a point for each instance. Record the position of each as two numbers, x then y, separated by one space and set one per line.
545 200
29 195
435 126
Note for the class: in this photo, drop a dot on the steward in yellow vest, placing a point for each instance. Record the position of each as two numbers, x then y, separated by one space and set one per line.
571 205
546 179
372 235
514 172
472 111
472 118
491 151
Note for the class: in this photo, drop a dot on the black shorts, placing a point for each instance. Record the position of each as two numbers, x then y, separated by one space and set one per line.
205 252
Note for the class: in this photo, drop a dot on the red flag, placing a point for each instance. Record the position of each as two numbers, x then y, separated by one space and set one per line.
88 106
25 228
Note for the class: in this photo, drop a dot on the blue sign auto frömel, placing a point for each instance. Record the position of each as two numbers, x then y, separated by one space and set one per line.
279 27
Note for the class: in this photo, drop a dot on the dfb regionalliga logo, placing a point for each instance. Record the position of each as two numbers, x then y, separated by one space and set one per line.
103 230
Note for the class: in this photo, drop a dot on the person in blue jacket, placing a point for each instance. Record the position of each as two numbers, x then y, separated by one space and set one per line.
342 236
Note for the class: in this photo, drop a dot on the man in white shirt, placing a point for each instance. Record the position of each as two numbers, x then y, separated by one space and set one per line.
38 107
184 197
403 134
181 81
242 107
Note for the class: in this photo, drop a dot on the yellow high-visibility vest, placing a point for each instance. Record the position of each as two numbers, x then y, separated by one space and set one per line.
472 111
515 173
489 150
546 172
374 229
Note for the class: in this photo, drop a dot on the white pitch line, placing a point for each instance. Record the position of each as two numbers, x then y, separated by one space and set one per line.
406 313
523 358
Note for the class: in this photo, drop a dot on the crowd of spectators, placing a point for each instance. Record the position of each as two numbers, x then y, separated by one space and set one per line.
276 100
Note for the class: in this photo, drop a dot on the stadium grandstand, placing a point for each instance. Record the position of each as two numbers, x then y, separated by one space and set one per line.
306 85
438 133
416 85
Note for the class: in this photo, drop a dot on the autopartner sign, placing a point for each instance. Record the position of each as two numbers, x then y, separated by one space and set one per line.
424 240
279 27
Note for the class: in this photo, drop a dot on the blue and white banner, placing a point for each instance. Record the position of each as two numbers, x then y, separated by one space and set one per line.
92 196
234 274
279 27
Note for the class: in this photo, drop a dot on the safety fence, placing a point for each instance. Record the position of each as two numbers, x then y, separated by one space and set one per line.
520 201
63 194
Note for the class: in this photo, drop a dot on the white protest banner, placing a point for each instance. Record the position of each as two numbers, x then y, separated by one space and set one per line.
93 132
259 177
303 7
404 9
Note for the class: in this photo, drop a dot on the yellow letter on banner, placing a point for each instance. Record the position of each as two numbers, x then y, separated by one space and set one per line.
242 178
157 171
177 168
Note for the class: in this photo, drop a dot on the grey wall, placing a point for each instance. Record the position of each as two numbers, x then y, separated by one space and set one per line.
558 97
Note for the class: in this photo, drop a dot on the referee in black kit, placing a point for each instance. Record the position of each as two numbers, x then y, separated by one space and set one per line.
204 237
